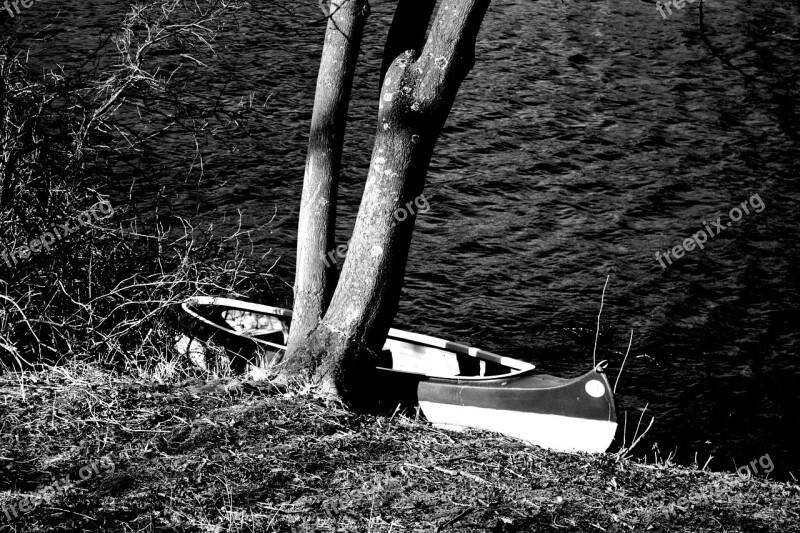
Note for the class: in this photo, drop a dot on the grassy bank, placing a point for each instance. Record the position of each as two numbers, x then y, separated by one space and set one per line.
224 455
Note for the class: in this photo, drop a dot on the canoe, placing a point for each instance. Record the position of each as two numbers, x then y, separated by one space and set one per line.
454 385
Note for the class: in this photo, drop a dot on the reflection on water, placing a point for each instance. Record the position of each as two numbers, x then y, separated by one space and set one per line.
588 137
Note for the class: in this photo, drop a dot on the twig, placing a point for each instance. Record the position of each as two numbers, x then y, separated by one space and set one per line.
625 430
456 518
630 341
462 473
725 60
602 297
284 511
625 451
635 442
640 420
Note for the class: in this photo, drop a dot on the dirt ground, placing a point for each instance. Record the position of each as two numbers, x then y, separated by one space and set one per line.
231 456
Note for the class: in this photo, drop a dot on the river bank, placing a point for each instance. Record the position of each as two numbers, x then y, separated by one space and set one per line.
220 455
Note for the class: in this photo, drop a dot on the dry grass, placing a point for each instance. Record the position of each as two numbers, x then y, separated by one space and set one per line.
226 455
105 293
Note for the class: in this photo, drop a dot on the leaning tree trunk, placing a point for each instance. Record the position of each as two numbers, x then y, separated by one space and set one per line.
315 278
415 100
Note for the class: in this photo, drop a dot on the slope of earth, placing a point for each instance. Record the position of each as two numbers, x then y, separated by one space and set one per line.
231 456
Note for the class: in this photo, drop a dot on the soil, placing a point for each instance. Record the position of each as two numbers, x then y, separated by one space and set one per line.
227 455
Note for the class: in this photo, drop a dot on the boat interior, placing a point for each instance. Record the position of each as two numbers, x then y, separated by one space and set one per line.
263 327
418 358
398 354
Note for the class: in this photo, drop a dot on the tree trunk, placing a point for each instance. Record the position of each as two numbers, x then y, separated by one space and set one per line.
415 100
315 277
407 32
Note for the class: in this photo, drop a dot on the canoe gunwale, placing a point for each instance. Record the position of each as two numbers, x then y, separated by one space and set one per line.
510 378
436 342
406 336
468 380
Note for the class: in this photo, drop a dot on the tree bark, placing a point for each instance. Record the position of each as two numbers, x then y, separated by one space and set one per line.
415 100
315 277
407 32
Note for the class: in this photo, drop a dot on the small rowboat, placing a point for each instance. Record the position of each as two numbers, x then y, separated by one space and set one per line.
454 384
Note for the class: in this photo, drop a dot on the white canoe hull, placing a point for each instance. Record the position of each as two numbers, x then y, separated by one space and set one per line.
561 433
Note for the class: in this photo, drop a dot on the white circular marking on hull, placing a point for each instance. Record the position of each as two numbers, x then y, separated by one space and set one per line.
595 389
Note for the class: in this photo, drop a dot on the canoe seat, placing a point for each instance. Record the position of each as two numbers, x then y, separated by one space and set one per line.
385 359
468 365
495 369
275 337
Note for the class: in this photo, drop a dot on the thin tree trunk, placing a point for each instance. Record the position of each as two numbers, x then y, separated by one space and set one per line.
315 276
415 100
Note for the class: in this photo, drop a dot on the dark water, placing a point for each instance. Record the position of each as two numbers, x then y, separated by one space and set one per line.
589 136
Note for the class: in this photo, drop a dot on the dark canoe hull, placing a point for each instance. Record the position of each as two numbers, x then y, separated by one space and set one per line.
528 392
570 415
564 414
